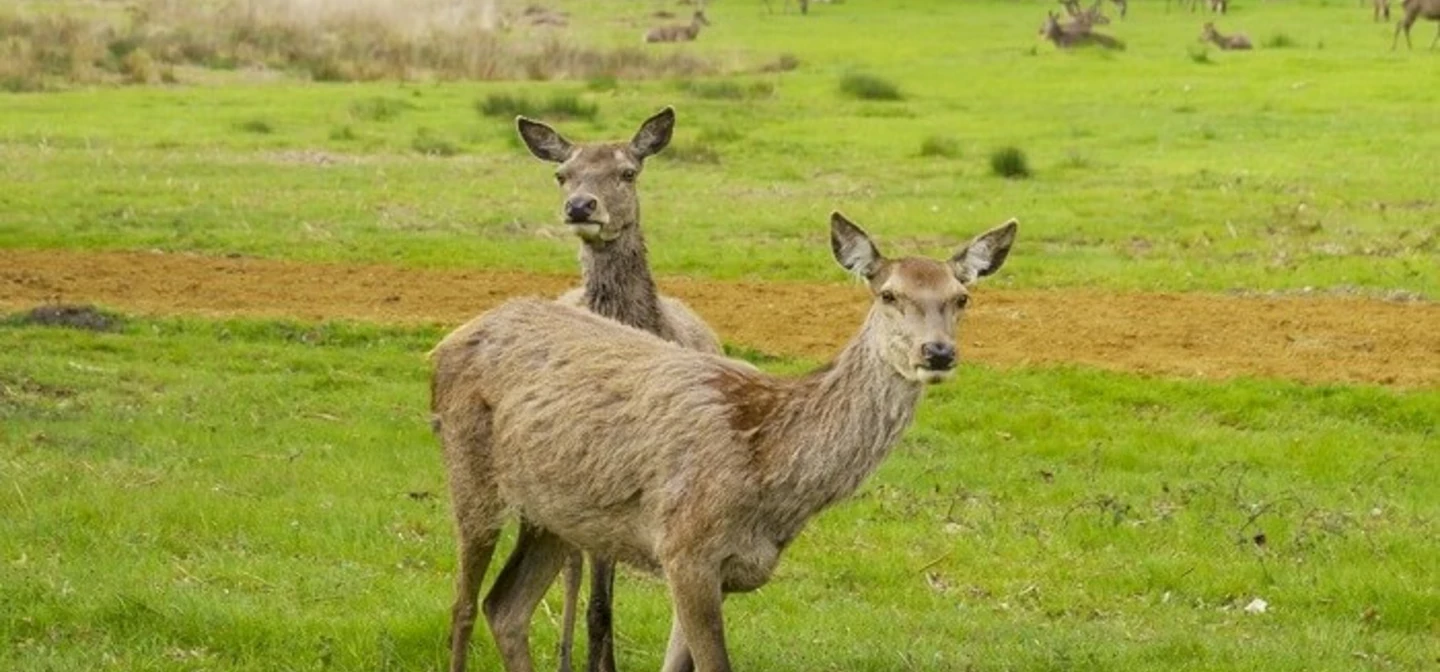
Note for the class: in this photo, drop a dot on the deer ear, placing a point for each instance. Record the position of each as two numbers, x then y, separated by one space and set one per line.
853 248
654 134
544 142
984 255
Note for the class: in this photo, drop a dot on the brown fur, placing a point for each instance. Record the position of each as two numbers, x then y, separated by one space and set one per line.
1414 11
1075 34
608 439
1236 42
679 32
1382 9
618 285
1091 16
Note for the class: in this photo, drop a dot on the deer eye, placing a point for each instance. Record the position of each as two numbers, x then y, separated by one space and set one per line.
559 179
962 301
888 297
629 174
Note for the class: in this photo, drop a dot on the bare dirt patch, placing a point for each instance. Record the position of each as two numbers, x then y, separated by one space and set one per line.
1310 339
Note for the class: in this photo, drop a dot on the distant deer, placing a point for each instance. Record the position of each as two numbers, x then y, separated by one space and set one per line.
1382 7
602 207
1124 6
700 468
1093 16
679 32
1221 6
1414 11
1236 42
1077 34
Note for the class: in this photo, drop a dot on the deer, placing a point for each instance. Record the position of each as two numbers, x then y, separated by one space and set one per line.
1382 8
1236 42
693 466
1076 34
1092 16
1414 11
679 32
601 206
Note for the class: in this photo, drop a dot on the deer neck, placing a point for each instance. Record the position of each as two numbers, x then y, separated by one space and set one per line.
618 284
827 433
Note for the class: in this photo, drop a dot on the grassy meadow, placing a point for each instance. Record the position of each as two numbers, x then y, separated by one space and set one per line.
186 494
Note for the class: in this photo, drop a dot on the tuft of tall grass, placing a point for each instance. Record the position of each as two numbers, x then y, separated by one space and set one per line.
865 86
940 146
430 143
379 108
1280 41
558 106
1009 163
727 90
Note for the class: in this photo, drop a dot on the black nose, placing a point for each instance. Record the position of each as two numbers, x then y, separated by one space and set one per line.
580 208
938 356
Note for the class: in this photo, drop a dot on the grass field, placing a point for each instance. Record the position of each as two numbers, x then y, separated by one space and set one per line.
237 494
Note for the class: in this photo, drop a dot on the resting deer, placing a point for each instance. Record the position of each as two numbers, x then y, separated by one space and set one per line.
1234 42
1075 34
1382 8
679 32
1414 11
607 439
602 207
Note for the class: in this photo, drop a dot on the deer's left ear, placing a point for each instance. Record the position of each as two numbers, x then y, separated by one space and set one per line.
984 255
654 134
853 248
544 142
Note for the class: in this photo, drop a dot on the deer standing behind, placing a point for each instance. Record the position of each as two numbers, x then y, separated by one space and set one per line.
1076 34
602 207
1382 8
1414 11
1236 42
679 32
605 438
1093 16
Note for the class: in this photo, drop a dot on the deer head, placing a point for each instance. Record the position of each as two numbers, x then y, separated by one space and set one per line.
918 301
598 179
699 18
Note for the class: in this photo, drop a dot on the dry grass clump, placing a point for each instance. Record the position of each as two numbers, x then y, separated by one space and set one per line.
325 40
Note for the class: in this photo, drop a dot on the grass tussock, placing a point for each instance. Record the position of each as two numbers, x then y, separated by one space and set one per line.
1009 163
256 126
324 40
431 143
940 146
727 90
697 153
379 108
1280 41
558 106
865 86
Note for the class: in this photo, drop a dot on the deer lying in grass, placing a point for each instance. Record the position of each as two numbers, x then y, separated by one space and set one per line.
608 439
1076 34
1414 11
1382 8
1234 42
679 32
602 207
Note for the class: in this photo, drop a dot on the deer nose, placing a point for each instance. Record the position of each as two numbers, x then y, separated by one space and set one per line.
579 208
938 356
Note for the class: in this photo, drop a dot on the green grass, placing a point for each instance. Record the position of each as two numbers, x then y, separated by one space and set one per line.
1286 169
261 495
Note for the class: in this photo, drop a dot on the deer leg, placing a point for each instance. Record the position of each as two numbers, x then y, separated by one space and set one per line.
600 618
475 554
1437 38
537 558
695 591
677 654
573 566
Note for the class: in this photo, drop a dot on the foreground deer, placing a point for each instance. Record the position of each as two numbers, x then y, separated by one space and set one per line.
608 439
1414 11
1225 42
679 32
602 207
1076 34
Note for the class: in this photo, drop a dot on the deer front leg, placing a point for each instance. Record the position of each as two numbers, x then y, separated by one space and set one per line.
695 592
573 566
677 654
600 619
537 558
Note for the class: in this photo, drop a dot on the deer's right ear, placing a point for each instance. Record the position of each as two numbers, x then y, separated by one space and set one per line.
852 247
654 134
544 142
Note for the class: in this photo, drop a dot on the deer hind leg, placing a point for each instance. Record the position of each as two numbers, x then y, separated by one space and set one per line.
1437 38
573 566
600 619
478 516
537 558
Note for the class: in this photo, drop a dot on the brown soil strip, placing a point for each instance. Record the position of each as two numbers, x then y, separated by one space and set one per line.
1189 335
